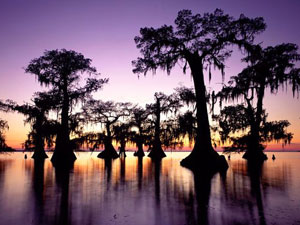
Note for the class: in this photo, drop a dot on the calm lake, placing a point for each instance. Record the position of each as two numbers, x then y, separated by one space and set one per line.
132 191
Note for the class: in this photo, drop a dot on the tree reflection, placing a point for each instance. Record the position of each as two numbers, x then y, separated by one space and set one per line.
62 178
140 172
254 172
202 184
38 187
140 191
122 169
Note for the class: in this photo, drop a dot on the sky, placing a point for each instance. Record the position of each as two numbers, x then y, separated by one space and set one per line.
104 31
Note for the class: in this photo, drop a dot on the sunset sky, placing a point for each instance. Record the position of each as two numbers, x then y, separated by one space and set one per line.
104 30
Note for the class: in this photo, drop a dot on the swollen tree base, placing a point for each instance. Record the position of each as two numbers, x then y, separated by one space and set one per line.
139 153
108 153
209 161
63 158
39 155
255 156
157 154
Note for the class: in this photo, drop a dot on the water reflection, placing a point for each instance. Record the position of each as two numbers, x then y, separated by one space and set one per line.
38 190
62 178
135 190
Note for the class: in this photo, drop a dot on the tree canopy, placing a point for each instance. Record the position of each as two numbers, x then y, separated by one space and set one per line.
198 41
268 68
61 71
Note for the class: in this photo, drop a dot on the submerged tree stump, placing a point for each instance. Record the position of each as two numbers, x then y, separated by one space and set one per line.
255 156
211 162
39 155
139 153
63 158
157 153
109 152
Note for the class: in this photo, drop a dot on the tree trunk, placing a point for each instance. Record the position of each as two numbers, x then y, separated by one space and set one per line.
109 151
140 151
203 155
63 153
122 148
157 152
39 151
254 150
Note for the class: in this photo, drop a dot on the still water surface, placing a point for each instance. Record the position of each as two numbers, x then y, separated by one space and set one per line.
132 191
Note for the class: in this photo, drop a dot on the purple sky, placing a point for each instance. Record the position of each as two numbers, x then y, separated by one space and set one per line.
104 32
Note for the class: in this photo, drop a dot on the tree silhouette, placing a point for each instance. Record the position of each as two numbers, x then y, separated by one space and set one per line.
163 104
268 69
139 119
122 135
199 41
3 127
234 120
61 70
106 113
187 122
169 134
42 129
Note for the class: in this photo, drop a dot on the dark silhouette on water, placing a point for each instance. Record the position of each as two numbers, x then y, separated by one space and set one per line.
139 120
202 183
136 190
122 135
157 174
268 69
163 104
62 177
108 114
254 172
38 187
61 70
122 169
140 172
42 129
198 41
3 127
108 168
273 157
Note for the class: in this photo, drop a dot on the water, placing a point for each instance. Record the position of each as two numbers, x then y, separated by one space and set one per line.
142 192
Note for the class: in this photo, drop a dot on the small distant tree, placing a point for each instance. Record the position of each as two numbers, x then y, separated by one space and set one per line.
268 70
42 129
170 136
122 135
163 105
199 41
139 120
3 127
235 126
61 70
108 114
